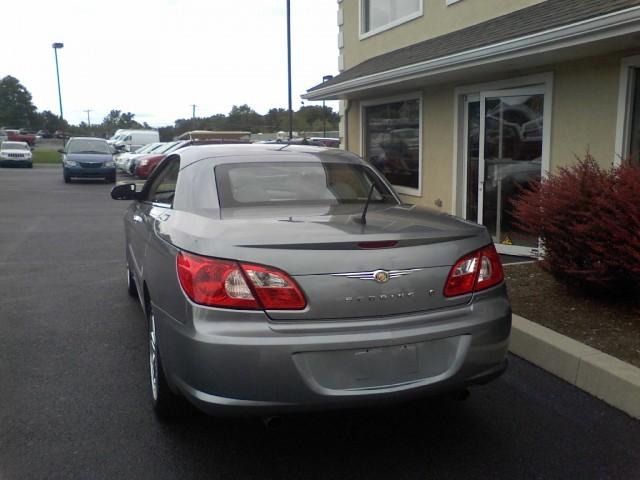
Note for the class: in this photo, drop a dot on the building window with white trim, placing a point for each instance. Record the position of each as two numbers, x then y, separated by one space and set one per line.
392 142
379 15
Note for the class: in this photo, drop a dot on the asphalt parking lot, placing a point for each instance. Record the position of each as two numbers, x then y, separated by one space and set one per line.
74 397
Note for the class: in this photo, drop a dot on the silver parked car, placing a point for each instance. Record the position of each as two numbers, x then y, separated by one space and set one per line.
278 278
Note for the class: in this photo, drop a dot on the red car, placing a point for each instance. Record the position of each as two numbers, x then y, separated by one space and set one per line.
146 164
19 136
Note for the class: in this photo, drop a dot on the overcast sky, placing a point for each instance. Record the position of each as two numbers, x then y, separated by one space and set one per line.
157 57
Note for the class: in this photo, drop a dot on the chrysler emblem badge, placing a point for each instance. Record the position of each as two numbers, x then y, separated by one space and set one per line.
381 276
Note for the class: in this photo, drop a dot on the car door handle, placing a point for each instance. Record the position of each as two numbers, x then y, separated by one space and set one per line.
137 218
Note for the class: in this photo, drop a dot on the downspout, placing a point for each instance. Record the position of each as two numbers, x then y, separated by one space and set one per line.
346 124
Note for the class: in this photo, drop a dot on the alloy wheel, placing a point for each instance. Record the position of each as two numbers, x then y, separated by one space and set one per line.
153 357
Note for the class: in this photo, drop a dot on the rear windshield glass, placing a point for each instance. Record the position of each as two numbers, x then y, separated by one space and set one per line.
271 183
87 145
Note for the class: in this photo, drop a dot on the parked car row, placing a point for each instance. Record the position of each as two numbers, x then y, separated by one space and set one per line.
144 160
127 162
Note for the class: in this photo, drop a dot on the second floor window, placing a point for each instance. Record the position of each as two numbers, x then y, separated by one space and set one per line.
378 14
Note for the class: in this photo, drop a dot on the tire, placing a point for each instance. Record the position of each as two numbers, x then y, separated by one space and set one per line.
111 179
166 404
30 165
67 179
131 285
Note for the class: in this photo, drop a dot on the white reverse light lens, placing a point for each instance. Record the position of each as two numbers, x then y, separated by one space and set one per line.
236 287
485 269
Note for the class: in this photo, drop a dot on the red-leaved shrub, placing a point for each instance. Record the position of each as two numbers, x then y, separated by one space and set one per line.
588 219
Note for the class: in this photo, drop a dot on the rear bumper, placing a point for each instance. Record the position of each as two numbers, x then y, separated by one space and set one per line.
248 365
79 172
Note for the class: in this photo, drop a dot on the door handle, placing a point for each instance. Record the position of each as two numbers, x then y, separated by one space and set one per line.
137 218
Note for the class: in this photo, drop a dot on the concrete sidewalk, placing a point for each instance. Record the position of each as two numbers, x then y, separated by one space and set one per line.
603 376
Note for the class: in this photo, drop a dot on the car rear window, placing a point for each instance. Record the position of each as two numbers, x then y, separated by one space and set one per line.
289 183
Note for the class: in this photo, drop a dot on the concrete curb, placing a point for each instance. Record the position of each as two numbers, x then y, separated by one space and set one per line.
603 376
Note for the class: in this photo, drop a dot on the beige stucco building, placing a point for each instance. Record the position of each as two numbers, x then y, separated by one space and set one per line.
461 102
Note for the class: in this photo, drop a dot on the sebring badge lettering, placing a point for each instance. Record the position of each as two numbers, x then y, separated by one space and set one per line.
381 298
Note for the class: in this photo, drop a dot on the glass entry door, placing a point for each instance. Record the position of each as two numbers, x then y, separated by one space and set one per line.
503 152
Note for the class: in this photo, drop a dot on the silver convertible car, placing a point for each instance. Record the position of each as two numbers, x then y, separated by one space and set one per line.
280 278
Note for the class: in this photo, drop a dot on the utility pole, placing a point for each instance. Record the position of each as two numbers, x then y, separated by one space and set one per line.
88 117
193 111
289 67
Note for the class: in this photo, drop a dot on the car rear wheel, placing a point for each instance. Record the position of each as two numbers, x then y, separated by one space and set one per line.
166 404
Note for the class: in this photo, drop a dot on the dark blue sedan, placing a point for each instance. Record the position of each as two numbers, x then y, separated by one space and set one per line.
87 157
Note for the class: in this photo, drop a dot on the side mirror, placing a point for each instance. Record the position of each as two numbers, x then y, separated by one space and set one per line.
125 192
61 150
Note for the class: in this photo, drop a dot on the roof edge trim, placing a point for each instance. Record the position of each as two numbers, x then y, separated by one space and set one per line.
585 31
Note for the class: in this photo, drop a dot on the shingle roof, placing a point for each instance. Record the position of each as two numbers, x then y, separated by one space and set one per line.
542 16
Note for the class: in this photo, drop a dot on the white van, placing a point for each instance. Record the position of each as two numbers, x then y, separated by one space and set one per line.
116 136
131 140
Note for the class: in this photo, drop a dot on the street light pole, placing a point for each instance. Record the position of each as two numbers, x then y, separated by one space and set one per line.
289 67
56 46
324 112
88 117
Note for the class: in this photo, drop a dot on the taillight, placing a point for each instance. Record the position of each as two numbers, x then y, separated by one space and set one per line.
229 284
474 272
275 289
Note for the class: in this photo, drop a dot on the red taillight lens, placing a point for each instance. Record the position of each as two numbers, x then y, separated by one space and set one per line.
275 289
213 282
473 272
228 284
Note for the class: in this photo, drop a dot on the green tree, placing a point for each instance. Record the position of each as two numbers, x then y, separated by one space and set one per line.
117 119
244 117
48 120
311 118
16 108
276 119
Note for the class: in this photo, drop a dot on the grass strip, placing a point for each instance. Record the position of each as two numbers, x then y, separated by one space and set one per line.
46 156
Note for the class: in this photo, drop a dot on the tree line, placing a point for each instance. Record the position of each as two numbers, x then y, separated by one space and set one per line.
18 111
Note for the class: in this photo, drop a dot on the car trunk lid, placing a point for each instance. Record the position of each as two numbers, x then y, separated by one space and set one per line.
331 256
